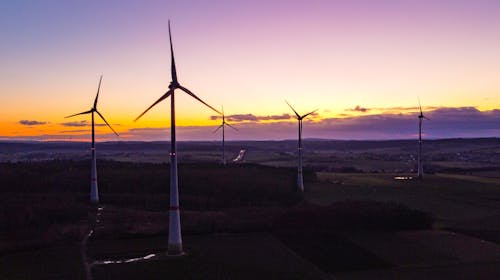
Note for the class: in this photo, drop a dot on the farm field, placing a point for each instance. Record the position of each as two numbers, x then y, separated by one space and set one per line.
247 221
454 199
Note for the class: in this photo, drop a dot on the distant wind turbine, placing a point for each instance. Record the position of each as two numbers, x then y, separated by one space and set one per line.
223 124
174 229
300 180
94 192
420 119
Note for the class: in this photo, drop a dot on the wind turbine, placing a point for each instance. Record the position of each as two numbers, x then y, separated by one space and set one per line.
420 119
174 229
300 180
224 123
94 192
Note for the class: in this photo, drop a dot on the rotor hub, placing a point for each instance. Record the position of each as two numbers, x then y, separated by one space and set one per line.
173 85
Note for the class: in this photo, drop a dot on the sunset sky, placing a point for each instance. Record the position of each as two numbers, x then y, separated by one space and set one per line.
363 64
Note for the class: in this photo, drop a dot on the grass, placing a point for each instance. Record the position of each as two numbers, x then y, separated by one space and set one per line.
330 251
58 262
232 256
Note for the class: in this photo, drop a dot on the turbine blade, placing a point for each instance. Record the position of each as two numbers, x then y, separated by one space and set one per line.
426 118
197 98
97 95
82 113
420 106
309 113
172 61
217 129
102 117
297 114
157 101
232 127
223 116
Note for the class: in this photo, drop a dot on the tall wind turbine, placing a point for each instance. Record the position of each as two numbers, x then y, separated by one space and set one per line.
420 119
94 192
300 180
224 123
174 229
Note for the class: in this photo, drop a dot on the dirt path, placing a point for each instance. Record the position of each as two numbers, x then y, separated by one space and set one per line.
94 220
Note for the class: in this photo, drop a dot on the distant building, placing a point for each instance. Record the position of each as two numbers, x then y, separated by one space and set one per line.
240 156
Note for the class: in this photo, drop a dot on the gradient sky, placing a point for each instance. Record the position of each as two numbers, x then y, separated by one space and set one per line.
362 63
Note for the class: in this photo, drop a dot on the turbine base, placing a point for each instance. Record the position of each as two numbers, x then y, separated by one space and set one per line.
175 250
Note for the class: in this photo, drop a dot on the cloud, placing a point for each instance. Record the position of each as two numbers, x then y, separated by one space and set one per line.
157 133
464 118
445 122
80 124
359 109
73 131
253 118
390 110
31 123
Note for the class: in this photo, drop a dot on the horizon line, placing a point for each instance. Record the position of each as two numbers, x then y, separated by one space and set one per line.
247 140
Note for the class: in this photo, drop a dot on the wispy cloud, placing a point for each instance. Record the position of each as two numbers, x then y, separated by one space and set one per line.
396 110
31 122
253 118
80 124
147 133
74 131
389 110
359 109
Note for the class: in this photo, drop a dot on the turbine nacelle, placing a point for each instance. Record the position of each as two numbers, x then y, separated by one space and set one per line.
174 85
300 117
421 116
224 123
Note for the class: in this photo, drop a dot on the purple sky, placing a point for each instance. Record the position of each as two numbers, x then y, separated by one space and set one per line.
349 59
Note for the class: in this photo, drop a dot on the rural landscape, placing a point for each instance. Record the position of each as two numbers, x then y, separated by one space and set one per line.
246 220
221 139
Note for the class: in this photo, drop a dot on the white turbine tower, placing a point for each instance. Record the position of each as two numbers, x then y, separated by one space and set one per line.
300 179
420 119
224 123
174 229
94 192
